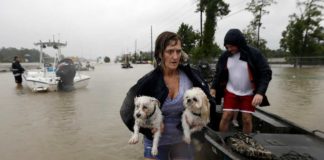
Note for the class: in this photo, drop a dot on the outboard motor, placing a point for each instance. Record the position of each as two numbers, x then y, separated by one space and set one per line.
205 71
66 71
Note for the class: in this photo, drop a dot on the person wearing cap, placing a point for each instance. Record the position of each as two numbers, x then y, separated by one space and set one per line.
242 78
167 83
17 70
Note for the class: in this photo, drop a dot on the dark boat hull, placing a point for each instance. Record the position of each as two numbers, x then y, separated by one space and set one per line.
274 133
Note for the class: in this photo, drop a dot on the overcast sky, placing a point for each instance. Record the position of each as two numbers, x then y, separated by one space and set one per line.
95 28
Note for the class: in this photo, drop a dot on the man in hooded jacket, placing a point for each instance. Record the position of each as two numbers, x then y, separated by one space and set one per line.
242 78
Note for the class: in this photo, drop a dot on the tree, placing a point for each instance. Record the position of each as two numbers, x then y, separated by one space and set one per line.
252 33
189 37
212 9
32 55
145 56
106 59
251 39
304 35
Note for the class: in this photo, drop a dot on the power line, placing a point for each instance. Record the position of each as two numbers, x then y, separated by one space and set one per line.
239 3
180 15
170 27
232 14
175 17
183 15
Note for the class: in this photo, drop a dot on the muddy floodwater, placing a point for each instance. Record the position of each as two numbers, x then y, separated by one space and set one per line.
85 124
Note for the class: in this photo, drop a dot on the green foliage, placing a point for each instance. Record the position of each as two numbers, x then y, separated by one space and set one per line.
251 39
279 53
212 9
252 33
256 7
146 56
304 35
106 59
196 54
142 56
189 37
30 55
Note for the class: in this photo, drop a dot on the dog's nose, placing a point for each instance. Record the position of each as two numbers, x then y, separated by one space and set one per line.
188 100
138 115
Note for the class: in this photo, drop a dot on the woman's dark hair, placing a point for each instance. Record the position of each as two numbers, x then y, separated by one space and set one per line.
162 41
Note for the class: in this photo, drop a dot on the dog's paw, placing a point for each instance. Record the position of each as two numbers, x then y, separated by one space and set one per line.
197 145
133 140
154 151
187 139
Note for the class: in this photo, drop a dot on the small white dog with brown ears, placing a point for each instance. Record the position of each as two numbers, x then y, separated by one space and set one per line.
147 114
196 114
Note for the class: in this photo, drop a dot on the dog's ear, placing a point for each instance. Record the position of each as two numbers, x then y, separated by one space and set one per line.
135 99
155 102
205 109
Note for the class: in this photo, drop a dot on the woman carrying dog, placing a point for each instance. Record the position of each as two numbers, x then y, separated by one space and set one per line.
167 83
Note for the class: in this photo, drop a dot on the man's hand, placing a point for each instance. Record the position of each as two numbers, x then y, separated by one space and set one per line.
213 92
257 99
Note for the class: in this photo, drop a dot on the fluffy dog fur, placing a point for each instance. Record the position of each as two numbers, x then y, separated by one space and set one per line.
147 114
196 114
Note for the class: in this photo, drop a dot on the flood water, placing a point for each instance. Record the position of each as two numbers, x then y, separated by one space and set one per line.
85 124
298 95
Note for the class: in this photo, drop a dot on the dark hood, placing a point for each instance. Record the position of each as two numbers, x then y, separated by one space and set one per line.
235 37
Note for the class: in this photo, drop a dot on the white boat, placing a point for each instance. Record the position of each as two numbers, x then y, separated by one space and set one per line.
45 78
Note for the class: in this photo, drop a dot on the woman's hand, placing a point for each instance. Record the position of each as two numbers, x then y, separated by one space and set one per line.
257 99
213 92
153 130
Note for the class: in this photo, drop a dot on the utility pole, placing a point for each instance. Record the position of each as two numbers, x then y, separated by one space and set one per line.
201 10
151 44
135 50
259 24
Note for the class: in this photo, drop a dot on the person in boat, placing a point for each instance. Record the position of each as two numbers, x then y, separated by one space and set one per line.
167 83
242 78
17 70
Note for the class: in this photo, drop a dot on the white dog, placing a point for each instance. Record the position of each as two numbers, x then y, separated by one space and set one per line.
147 114
196 114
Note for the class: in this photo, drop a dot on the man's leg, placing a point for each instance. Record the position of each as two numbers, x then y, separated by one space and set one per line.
247 122
234 120
226 118
18 80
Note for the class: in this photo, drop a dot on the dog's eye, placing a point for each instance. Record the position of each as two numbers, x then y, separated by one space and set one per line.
195 99
136 106
144 107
